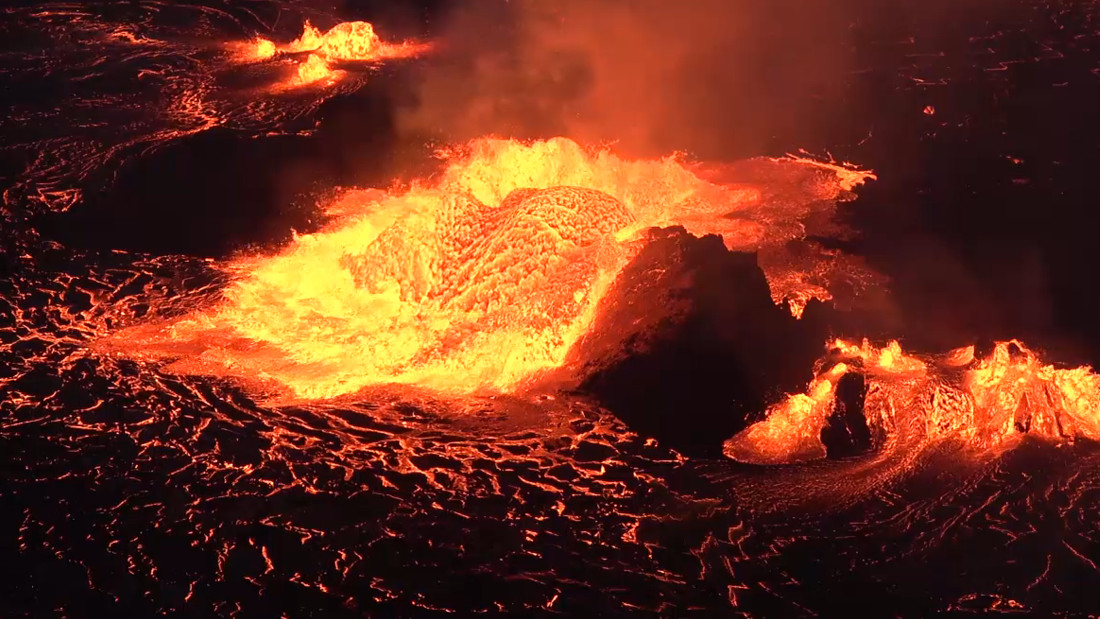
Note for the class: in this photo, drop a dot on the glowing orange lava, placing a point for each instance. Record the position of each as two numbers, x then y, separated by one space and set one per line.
264 49
480 279
348 41
985 403
313 69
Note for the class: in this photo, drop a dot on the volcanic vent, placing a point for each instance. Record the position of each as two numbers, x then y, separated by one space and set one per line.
485 276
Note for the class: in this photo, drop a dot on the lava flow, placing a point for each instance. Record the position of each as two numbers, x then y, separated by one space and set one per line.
480 279
983 402
344 42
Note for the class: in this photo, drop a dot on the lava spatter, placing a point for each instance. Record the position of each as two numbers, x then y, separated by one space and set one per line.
354 41
480 279
984 403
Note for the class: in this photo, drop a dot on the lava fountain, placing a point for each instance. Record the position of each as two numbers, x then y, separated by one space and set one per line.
479 279
354 41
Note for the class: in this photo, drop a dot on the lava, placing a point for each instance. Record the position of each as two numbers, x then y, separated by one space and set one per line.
985 403
313 69
482 278
344 42
264 48
133 488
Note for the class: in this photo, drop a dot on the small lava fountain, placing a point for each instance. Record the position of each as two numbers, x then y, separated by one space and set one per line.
985 403
354 41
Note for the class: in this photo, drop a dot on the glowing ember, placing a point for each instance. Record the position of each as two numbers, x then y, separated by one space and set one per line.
481 279
984 403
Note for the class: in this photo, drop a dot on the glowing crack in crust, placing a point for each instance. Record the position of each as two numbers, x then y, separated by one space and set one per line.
480 279
985 403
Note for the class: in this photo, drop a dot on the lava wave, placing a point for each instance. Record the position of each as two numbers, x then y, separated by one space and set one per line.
483 277
984 403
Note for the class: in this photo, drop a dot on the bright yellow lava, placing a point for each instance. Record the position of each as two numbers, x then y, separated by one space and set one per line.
984 402
347 41
480 279
263 49
313 69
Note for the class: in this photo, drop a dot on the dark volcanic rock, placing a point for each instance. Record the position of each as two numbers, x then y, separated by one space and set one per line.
688 346
846 432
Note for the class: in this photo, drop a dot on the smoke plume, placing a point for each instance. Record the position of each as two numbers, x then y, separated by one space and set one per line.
709 77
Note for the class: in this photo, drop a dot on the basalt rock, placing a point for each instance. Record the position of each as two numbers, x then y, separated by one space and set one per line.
846 432
688 346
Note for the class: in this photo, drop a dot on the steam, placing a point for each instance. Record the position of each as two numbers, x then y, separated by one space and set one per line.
712 77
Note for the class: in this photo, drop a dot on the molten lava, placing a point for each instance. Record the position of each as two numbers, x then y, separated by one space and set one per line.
313 69
985 403
480 279
347 41
264 48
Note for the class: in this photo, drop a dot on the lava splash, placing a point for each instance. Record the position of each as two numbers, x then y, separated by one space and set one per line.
346 41
480 279
985 403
